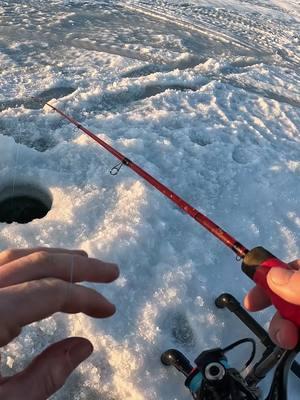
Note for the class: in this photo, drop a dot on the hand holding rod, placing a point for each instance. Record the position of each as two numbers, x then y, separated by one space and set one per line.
257 264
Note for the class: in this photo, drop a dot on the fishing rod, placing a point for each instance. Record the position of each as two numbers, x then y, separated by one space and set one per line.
228 240
256 263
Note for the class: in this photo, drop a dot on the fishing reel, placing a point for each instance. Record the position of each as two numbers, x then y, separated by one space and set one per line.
212 378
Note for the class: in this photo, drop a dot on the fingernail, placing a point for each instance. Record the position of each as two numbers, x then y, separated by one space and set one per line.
246 302
117 269
280 276
114 308
79 352
111 310
114 267
278 338
83 253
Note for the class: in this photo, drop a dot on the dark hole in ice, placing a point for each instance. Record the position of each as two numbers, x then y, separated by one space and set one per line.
23 204
39 100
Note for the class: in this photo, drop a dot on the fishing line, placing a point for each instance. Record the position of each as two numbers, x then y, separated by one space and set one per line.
15 169
68 292
71 273
15 165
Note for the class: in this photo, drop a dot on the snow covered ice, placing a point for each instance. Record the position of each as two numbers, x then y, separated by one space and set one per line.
204 95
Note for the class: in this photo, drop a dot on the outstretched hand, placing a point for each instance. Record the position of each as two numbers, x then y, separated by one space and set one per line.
286 284
34 284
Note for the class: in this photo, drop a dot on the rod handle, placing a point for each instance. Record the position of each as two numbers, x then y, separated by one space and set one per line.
256 265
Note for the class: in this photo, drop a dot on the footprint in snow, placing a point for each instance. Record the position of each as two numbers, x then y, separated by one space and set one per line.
244 155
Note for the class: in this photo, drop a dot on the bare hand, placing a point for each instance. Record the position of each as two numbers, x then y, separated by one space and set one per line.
286 284
34 284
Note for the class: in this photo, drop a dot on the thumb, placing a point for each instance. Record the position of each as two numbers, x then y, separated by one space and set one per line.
285 283
48 372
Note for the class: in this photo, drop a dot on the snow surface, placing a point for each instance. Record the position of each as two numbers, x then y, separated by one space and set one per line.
205 96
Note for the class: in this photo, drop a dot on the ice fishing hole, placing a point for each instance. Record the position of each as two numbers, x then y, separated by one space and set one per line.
23 202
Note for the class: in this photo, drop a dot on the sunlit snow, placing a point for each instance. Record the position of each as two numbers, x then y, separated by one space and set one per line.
204 95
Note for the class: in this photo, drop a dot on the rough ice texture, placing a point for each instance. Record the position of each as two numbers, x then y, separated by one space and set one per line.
207 101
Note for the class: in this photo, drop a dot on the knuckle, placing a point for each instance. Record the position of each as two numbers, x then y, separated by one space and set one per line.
53 380
56 286
7 254
53 283
42 257
8 333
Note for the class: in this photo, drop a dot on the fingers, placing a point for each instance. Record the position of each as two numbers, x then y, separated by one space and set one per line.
25 303
256 299
48 372
72 265
36 283
283 332
285 283
7 256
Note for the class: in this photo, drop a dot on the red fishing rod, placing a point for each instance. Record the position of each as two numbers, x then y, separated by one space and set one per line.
228 240
256 262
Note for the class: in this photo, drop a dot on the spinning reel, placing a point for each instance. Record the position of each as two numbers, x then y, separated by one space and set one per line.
212 378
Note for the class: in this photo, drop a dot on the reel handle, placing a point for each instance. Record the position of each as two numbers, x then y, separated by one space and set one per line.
256 265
